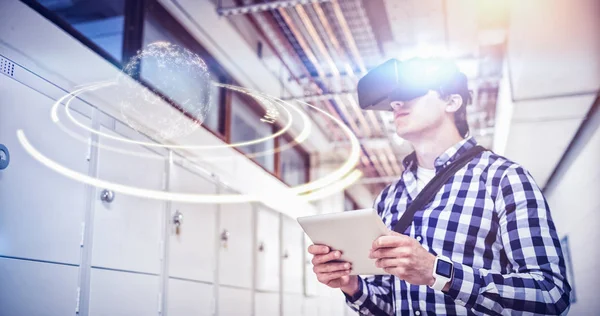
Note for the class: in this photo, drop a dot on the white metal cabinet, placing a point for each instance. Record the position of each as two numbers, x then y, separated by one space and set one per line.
128 230
266 304
41 211
268 256
293 305
235 302
190 298
192 247
338 302
293 256
118 293
235 251
35 288
311 284
311 306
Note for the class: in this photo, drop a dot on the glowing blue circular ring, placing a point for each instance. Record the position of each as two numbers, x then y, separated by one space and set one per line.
4 157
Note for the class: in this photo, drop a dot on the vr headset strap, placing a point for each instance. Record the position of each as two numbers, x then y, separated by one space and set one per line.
431 189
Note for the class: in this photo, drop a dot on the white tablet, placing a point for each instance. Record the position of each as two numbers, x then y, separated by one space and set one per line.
350 232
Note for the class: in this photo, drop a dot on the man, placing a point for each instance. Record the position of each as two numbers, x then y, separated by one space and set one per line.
489 223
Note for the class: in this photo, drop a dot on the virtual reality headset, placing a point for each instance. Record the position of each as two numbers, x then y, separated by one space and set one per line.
403 81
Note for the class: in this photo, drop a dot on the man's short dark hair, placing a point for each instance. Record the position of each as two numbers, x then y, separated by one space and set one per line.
458 84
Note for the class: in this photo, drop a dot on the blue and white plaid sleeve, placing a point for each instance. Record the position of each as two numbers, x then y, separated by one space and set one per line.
374 296
536 285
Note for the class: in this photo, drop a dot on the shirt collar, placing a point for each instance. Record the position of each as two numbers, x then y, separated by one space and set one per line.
447 157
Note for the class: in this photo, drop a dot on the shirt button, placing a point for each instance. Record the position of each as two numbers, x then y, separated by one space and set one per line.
417 313
419 238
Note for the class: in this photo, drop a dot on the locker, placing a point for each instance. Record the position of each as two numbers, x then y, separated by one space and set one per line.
293 256
128 230
234 302
235 251
311 284
118 293
268 256
311 306
266 304
293 305
338 302
192 246
36 288
190 298
41 211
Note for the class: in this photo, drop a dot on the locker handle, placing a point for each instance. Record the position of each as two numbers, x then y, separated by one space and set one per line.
177 221
4 157
286 254
224 238
225 235
177 218
107 196
261 247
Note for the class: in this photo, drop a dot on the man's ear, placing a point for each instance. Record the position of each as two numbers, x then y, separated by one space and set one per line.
454 103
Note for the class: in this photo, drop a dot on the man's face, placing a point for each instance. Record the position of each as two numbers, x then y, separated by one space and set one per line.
419 115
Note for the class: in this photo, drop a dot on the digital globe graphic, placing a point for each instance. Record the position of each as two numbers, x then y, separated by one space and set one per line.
174 75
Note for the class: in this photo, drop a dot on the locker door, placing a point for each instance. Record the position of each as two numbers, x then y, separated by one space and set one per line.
235 252
311 284
338 302
41 211
293 305
235 302
118 293
293 256
266 304
192 248
268 257
190 298
311 306
127 231
35 288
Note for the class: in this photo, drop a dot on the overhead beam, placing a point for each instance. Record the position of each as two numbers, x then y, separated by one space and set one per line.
320 97
261 7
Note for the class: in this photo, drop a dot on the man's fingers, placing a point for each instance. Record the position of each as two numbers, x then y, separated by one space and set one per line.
318 259
331 267
398 252
391 241
389 263
339 282
325 278
318 249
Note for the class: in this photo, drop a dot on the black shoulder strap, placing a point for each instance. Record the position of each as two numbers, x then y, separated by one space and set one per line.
431 189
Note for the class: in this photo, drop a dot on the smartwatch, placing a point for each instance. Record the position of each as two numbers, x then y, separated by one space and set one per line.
442 272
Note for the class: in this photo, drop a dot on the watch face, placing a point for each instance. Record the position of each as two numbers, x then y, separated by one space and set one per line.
444 268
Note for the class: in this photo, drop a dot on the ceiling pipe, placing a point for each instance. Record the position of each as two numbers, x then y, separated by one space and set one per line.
361 117
348 35
261 7
393 160
301 41
315 37
310 55
349 39
329 30
353 104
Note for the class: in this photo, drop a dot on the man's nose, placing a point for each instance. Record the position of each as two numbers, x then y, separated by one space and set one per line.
396 104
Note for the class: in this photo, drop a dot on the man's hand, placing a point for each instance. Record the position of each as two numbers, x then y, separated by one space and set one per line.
333 274
404 257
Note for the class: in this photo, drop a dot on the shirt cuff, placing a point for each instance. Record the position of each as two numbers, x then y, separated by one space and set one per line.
465 285
361 295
